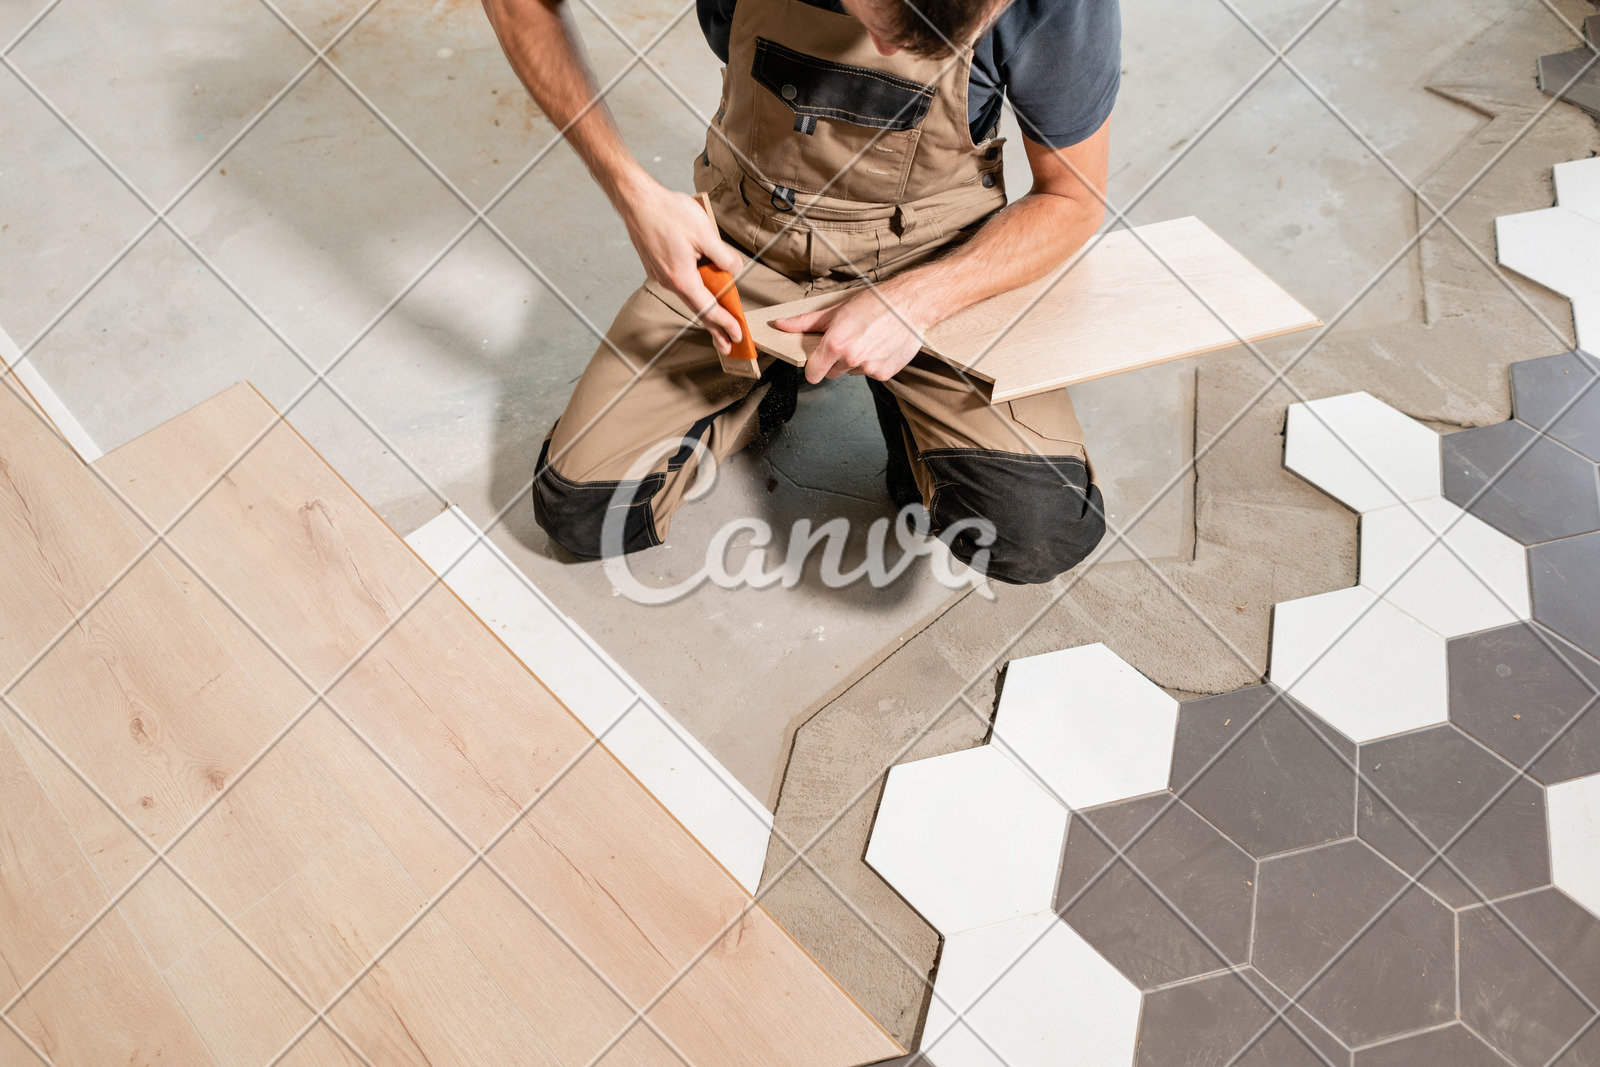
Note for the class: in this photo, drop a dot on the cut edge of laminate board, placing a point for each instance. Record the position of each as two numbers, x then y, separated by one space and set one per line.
794 348
451 532
279 418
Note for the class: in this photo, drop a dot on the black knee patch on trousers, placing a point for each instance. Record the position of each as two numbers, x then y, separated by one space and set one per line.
573 514
1045 513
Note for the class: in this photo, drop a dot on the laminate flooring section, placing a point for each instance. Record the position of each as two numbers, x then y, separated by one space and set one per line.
306 867
1136 298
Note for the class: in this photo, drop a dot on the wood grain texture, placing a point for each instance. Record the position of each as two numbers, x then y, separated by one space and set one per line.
104 1002
300 554
151 706
1174 290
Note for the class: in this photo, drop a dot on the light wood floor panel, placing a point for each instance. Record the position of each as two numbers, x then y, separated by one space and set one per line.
1122 306
321 926
54 563
561 996
241 1009
147 701
424 846
462 717
274 516
455 1016
320 1048
104 1002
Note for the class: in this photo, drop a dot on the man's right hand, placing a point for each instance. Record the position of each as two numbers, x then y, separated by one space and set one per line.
671 233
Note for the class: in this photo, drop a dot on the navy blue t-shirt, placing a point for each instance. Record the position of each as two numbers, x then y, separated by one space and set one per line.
1060 61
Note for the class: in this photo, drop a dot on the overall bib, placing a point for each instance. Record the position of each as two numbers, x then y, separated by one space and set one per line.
829 166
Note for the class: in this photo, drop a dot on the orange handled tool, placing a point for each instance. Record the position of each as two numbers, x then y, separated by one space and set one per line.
742 360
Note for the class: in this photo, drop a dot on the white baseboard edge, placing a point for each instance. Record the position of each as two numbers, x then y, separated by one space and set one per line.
12 359
726 818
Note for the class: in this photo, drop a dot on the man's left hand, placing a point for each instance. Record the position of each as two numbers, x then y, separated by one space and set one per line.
862 335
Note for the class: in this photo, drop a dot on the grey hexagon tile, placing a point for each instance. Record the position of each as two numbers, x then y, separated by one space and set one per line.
1514 687
1208 1022
1450 1046
1206 878
1543 392
1528 1007
1566 589
1547 492
1376 959
1284 784
1442 781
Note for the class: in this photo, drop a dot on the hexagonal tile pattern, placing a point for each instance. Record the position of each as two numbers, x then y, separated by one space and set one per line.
1521 483
1211 1020
1263 872
1450 1046
1514 688
1560 396
1288 782
1359 662
1088 726
973 812
1566 588
1361 451
1575 839
1028 993
1426 789
1190 913
1371 965
1452 572
1527 965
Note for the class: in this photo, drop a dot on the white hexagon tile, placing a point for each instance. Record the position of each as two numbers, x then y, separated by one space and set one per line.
1559 247
1054 724
979 809
1371 659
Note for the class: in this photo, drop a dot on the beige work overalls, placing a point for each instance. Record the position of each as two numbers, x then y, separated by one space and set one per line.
831 165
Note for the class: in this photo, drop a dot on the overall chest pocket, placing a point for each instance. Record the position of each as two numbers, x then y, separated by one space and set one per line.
824 127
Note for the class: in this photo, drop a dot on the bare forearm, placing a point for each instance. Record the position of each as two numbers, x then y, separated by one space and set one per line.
544 49
1022 243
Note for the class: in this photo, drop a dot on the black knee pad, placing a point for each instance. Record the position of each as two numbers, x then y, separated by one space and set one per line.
574 514
1044 514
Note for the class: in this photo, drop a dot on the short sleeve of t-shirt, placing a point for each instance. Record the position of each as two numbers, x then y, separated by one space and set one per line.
1060 62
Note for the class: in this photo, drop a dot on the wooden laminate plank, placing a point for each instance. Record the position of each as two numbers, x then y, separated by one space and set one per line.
104 1002
320 1048
322 927
426 848
460 716
54 564
145 699
1120 307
